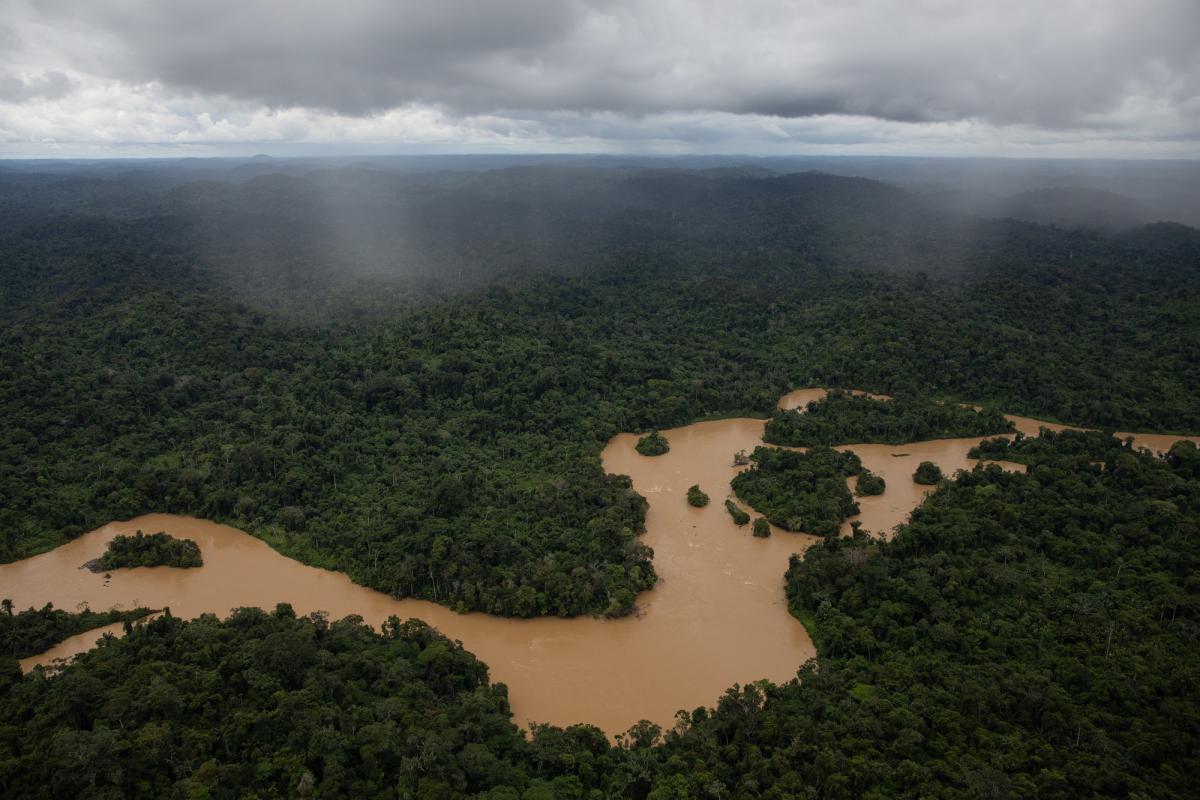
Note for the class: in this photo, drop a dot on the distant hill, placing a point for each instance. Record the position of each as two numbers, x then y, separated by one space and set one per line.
740 171
1065 206
1072 206
280 232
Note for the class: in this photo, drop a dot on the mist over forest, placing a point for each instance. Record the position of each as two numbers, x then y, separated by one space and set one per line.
274 231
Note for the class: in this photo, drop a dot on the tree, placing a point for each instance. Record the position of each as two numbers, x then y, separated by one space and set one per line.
696 497
869 484
842 417
762 528
800 491
740 517
148 550
927 474
653 444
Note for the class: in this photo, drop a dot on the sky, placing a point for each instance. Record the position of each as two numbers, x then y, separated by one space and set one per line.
1041 78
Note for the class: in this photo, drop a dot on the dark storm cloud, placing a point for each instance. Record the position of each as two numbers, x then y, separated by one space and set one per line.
1043 64
354 57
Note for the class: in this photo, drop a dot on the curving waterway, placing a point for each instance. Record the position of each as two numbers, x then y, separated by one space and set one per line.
717 617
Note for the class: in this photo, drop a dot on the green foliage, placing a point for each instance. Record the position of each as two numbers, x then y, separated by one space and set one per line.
844 418
208 350
262 705
271 705
696 497
762 528
1184 458
153 550
927 474
739 517
1021 628
1081 446
652 444
448 491
34 631
800 491
869 484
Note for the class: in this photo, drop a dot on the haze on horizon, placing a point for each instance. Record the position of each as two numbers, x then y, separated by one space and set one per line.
760 77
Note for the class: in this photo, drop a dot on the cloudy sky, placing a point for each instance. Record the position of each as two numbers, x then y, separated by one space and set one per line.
954 77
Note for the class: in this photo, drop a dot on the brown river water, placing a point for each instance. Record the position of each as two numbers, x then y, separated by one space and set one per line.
717 617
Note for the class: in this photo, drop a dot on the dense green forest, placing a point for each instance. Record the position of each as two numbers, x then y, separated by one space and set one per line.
171 346
927 473
761 528
261 705
800 491
869 484
738 516
336 362
653 444
844 418
149 550
1023 635
35 630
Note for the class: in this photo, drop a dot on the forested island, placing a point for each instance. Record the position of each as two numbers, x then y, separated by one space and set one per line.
869 484
424 410
653 444
842 417
738 516
927 473
800 491
148 550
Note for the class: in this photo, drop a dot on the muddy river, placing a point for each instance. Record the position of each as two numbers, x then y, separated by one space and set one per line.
717 617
